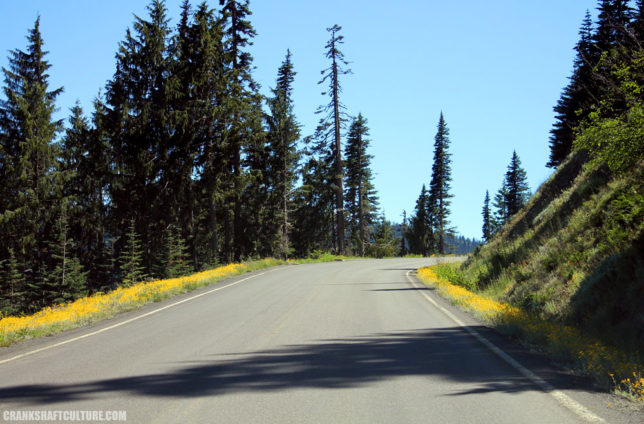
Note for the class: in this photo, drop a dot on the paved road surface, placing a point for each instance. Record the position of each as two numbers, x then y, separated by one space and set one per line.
342 342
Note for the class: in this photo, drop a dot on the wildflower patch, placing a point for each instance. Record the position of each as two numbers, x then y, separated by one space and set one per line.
87 310
606 364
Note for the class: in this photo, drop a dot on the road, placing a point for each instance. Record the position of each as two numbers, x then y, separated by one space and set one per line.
342 342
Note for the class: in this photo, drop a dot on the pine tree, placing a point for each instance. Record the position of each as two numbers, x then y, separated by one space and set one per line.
66 280
384 243
138 121
361 200
612 22
517 188
336 116
283 133
178 259
438 203
403 231
500 205
200 119
131 268
487 224
12 295
242 109
315 199
30 176
420 232
577 97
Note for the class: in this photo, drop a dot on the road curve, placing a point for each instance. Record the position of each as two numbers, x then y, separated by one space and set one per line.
342 342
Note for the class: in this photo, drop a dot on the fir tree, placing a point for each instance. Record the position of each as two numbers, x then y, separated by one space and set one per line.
131 268
500 205
201 76
138 121
517 188
403 231
384 243
438 203
336 116
612 22
420 232
283 133
66 281
30 176
577 97
360 198
12 295
178 259
487 224
241 111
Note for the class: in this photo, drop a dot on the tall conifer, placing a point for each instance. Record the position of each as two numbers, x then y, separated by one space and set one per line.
438 203
31 184
336 116
487 225
361 200
283 133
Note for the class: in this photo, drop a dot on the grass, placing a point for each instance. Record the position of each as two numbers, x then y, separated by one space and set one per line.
610 367
100 306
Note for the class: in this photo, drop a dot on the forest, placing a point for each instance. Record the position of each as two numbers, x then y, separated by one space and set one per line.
182 165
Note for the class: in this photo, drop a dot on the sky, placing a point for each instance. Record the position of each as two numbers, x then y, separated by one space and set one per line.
494 68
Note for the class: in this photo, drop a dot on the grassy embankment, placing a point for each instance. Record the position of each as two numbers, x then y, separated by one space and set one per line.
100 306
567 273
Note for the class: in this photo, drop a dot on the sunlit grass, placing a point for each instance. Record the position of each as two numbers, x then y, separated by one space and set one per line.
606 364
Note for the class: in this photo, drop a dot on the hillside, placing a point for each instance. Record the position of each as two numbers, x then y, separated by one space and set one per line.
574 253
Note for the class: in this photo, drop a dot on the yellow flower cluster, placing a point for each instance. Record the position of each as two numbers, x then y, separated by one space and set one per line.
593 357
90 309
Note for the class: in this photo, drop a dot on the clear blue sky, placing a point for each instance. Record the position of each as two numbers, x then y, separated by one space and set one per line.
495 68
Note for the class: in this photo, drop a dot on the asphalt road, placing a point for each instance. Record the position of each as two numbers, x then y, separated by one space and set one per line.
342 342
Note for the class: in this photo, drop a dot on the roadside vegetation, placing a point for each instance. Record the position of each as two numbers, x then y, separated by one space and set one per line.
608 365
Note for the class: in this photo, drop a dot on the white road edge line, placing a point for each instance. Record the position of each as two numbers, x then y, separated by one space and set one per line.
84 336
561 397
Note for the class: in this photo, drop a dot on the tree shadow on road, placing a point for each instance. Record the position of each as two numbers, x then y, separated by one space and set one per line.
448 354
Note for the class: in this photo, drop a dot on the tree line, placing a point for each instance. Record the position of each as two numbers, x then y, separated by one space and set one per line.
599 110
181 164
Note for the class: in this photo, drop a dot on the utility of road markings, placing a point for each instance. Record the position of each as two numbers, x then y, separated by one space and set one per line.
84 336
561 397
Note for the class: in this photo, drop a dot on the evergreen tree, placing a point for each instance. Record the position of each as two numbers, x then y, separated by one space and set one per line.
30 183
314 214
200 119
487 224
384 243
283 133
360 198
12 293
577 97
612 22
66 281
336 116
84 166
513 194
438 203
241 109
500 205
139 126
420 232
517 188
178 258
131 267
403 231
